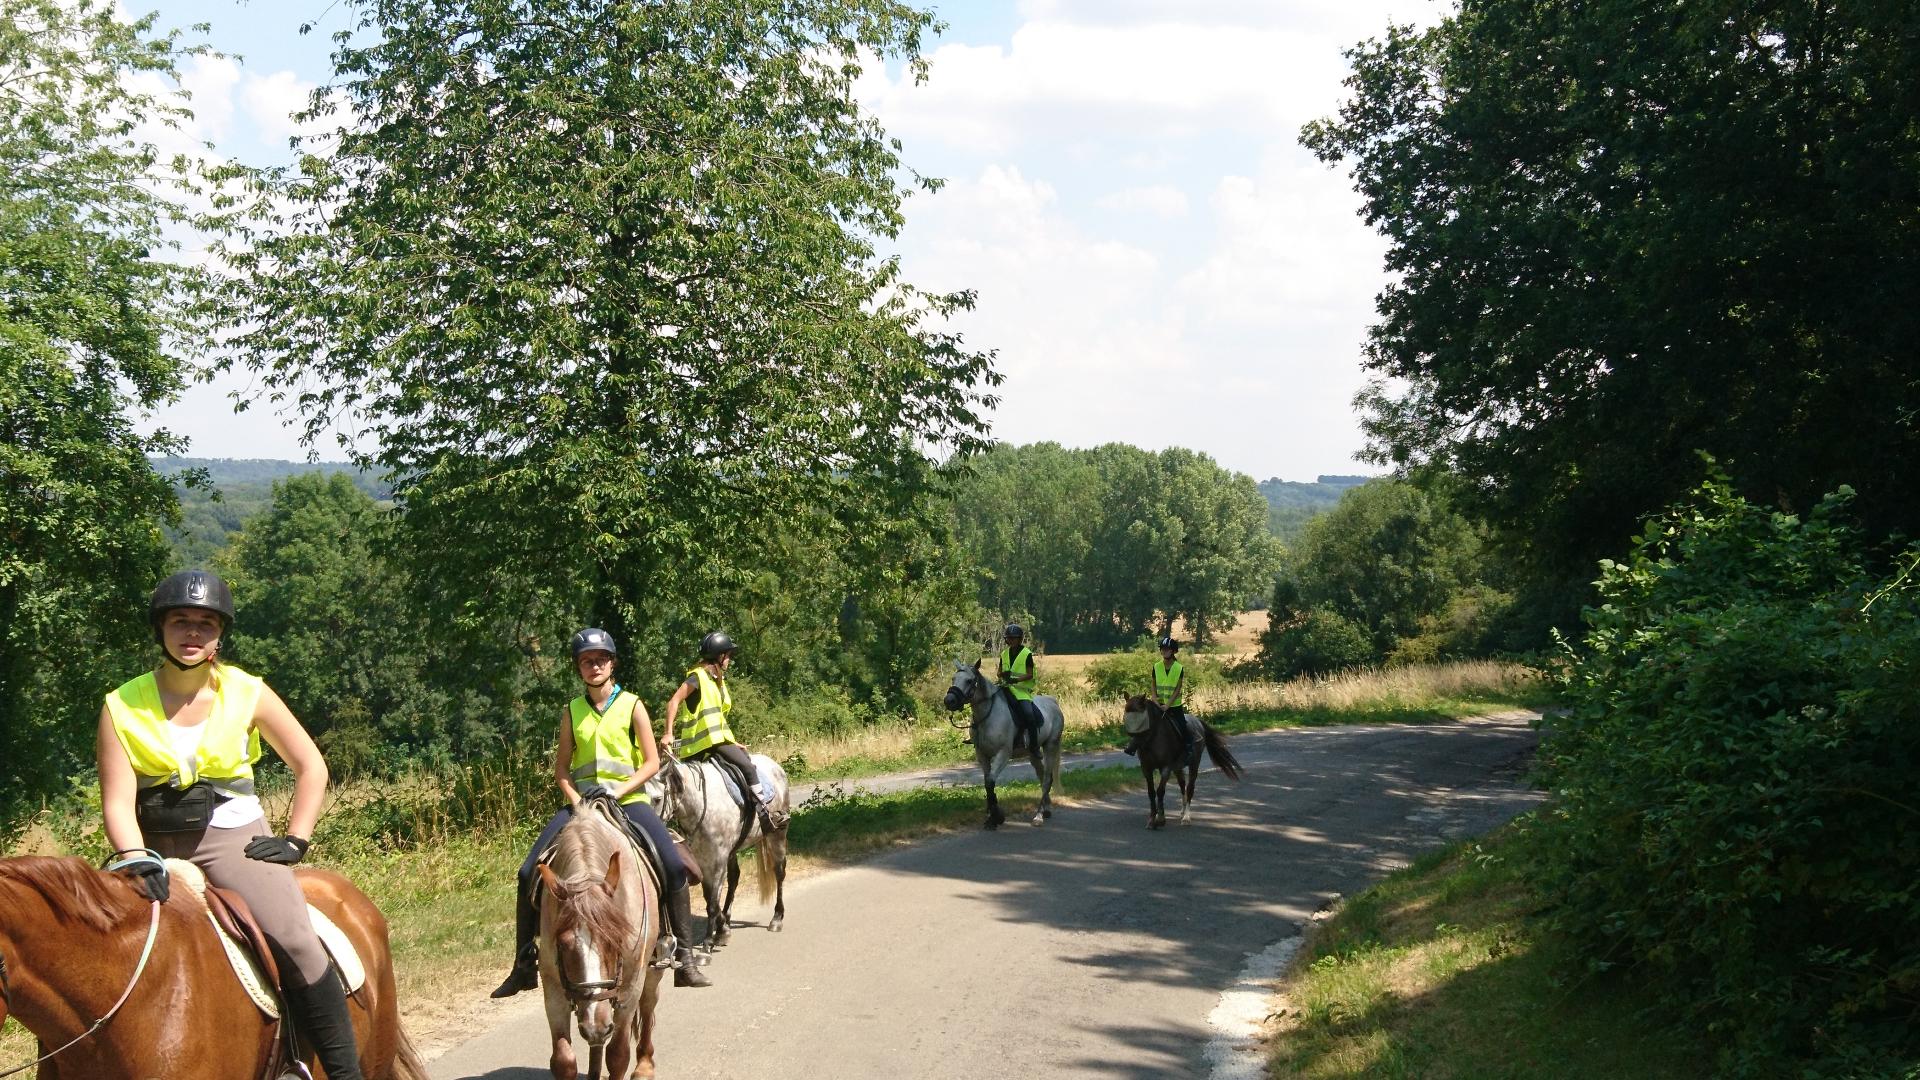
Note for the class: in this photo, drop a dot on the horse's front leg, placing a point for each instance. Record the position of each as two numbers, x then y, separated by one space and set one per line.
620 1046
1160 798
710 892
991 767
560 1026
1188 776
1146 773
726 906
643 1020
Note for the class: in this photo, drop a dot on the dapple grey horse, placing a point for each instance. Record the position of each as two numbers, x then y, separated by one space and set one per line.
993 731
693 798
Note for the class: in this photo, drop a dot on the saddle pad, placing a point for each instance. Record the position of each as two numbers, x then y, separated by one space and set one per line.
345 958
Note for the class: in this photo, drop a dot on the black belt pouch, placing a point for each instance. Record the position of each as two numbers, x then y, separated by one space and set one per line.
168 809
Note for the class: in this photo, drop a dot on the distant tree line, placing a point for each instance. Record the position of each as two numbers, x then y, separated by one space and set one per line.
1105 545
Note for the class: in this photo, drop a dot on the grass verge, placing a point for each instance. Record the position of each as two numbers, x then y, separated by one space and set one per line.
1445 971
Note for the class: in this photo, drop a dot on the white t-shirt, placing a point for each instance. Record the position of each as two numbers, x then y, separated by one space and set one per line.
227 813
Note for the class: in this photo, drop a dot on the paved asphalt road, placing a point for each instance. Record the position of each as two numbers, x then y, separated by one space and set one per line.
1090 947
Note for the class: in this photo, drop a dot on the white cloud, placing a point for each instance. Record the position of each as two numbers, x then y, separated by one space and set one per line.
1159 200
270 102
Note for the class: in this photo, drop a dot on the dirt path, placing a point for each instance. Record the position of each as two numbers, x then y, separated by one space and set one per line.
1087 948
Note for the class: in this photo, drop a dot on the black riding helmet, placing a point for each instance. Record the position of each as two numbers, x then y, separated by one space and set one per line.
593 638
190 589
1169 643
716 645
1014 630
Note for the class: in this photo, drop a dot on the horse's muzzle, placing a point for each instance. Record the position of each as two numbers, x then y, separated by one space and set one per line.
953 701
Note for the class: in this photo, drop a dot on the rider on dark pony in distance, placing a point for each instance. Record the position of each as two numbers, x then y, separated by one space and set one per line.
1016 678
606 751
176 751
706 734
1170 693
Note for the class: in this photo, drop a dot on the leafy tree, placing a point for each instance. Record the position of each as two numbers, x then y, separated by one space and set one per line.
326 620
1734 803
602 280
1387 557
1621 232
92 328
1108 544
1315 641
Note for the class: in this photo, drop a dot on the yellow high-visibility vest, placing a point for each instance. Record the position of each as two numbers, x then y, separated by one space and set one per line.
1018 664
228 748
706 725
603 747
1167 682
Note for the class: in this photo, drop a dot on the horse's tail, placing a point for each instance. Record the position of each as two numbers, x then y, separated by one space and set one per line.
767 863
406 1060
1223 758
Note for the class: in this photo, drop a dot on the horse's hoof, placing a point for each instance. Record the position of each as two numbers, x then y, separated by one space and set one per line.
774 926
1039 820
991 825
1047 813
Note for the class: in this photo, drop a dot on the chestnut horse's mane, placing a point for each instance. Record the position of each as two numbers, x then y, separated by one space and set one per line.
73 889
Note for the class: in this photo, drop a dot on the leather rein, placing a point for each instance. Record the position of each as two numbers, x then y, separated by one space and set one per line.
146 953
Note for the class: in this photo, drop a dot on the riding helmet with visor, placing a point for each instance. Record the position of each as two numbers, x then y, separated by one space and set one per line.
1169 643
1014 631
189 589
716 645
593 638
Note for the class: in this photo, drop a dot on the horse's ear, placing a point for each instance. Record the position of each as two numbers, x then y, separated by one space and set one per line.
547 879
976 666
613 872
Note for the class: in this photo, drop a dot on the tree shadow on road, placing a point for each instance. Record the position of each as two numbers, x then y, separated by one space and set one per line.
1320 815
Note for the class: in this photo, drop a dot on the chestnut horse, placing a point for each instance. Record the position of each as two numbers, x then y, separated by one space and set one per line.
71 939
1164 752
599 924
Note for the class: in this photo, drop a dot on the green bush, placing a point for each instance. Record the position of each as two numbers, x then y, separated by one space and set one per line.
1318 642
1122 673
1735 782
1468 627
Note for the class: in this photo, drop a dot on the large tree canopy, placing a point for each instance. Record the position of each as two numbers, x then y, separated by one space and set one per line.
601 281
1105 544
92 326
1623 232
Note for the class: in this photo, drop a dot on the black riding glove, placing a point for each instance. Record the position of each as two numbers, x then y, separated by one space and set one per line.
151 879
285 850
594 791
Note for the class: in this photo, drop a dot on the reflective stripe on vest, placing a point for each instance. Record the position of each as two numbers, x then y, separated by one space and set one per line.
1167 683
603 749
706 726
228 747
1021 664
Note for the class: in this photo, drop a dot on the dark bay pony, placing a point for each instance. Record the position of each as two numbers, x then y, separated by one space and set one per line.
599 923
1163 753
71 938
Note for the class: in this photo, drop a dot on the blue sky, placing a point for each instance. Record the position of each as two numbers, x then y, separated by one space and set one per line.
1157 260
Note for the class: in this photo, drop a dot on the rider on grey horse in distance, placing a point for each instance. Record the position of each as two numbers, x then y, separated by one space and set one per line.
1016 678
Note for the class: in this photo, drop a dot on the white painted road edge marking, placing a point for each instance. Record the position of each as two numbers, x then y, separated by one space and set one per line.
1234 1051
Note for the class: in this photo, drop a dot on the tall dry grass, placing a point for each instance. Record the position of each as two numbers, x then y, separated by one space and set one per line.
1366 693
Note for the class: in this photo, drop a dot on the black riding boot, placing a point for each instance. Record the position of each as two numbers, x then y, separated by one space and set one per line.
526 951
680 917
320 1017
